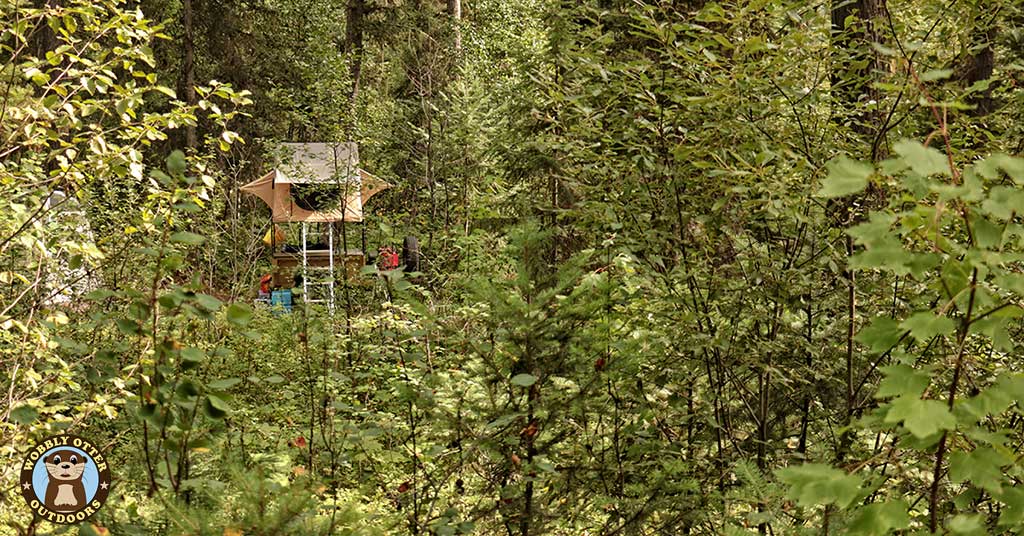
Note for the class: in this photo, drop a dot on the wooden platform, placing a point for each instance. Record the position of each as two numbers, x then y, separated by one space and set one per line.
286 263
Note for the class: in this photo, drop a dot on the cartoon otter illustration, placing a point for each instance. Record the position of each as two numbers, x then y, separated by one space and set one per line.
65 491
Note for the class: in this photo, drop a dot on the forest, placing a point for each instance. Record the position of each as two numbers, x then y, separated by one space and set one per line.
630 267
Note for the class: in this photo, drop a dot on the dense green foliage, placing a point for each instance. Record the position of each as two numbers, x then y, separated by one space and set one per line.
688 267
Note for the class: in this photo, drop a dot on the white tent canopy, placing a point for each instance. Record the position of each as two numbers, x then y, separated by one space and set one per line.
327 164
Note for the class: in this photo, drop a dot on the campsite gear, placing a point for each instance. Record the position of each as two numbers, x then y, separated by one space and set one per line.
277 237
316 184
282 299
411 254
265 283
387 258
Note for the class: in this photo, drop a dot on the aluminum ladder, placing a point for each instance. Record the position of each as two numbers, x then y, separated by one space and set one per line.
328 281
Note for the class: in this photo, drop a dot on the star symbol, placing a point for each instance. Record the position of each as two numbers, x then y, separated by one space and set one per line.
27 486
103 485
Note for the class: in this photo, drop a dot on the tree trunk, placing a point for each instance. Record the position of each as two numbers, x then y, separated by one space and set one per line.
855 66
980 66
188 68
44 39
354 44
854 28
455 11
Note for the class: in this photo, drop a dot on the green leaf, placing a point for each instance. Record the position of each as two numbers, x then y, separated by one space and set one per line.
187 206
1014 167
1013 385
956 277
982 467
37 76
880 519
920 263
208 302
1013 282
171 299
922 418
994 399
185 237
524 380
890 257
881 334
225 384
1003 202
884 50
812 484
191 357
987 235
968 524
1013 514
166 91
100 294
239 314
176 163
24 414
996 328
128 327
187 389
982 436
972 189
845 176
925 325
216 407
936 74
274 379
503 421
875 231
923 160
902 380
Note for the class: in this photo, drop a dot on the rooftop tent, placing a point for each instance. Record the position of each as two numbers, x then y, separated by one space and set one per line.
316 182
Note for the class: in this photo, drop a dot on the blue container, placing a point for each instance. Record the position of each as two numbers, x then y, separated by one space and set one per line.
283 299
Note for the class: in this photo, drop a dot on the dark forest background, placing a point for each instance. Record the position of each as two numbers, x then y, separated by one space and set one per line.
687 267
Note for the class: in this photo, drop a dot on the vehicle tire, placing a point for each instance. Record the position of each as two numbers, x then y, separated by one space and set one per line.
411 254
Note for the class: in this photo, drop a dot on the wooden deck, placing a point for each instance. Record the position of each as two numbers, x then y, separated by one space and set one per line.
286 263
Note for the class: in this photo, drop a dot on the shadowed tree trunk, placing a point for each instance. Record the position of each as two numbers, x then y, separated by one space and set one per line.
188 67
354 44
856 65
980 66
855 26
44 39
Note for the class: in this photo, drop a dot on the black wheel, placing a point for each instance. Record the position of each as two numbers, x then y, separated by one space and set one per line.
411 254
